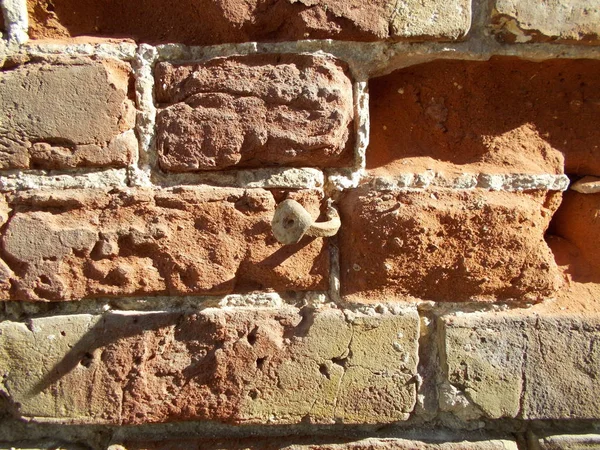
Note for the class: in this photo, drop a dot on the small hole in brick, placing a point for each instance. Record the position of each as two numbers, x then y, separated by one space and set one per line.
62 333
325 371
289 223
252 336
260 362
253 394
87 360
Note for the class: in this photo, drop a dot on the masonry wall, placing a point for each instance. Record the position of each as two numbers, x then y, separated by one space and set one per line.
148 153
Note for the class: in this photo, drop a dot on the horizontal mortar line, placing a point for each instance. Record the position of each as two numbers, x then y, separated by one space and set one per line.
363 51
357 52
288 177
163 303
16 180
513 182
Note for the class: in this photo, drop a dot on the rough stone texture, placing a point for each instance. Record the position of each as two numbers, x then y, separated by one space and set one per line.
72 113
67 245
578 221
204 22
446 245
525 366
317 443
255 365
574 21
503 115
485 362
566 442
252 111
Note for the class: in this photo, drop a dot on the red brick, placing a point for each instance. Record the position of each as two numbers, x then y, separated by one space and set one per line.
578 222
67 245
447 245
503 115
65 114
253 111
204 22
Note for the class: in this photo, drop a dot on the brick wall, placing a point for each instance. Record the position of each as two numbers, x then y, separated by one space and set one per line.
146 147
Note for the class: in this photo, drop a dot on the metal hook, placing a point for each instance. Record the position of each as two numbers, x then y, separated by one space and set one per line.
291 222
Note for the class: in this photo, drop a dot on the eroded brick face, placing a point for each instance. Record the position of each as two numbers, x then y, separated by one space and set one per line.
229 365
501 116
573 21
205 22
447 245
252 111
68 245
71 113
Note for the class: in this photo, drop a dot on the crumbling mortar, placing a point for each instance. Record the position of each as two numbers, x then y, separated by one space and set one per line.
20 180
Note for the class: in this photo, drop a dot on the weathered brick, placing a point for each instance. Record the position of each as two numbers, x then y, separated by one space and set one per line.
252 111
319 443
446 245
573 21
542 367
578 221
499 116
565 442
231 365
485 361
67 245
70 113
203 22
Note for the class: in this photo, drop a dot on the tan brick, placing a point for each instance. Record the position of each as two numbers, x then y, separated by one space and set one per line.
263 366
561 372
252 111
566 442
529 366
68 245
499 116
485 359
316 443
70 113
202 22
446 245
573 21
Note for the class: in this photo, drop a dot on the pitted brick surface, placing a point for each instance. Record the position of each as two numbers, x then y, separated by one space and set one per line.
68 245
252 111
66 114
230 365
447 245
